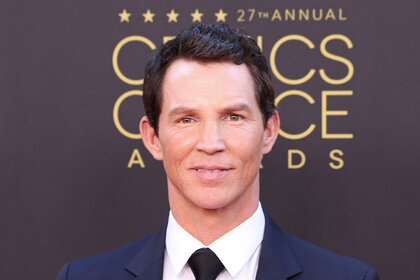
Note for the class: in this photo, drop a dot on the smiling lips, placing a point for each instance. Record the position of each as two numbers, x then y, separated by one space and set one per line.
211 173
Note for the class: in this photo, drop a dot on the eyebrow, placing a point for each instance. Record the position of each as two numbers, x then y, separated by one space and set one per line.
237 107
179 110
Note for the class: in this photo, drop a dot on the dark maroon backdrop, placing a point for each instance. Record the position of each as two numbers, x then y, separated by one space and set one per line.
66 190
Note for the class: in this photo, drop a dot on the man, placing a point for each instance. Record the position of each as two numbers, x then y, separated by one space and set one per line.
210 118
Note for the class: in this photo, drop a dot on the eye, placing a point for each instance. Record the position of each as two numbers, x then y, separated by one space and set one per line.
234 117
185 120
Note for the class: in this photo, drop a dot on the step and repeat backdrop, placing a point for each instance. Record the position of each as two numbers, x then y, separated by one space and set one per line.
76 179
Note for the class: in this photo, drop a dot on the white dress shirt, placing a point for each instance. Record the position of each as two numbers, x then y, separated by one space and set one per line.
238 250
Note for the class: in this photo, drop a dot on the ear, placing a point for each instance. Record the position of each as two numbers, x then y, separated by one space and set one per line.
271 132
150 139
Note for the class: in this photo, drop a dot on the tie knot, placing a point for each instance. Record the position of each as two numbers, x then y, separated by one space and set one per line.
205 264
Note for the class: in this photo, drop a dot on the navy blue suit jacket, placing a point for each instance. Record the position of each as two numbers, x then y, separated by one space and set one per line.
282 257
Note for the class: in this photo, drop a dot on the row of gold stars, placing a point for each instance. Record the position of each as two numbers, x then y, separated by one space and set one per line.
172 16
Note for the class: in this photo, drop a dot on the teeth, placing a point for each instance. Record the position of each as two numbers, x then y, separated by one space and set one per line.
209 171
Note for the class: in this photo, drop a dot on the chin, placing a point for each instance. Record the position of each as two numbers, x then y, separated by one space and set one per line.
210 206
211 203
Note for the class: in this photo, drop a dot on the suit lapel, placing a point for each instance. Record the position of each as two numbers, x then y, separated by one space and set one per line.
277 260
148 263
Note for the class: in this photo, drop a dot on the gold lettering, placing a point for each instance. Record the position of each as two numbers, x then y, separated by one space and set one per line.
273 59
116 111
340 15
260 42
330 14
310 101
290 163
304 14
251 14
289 14
321 11
241 16
168 38
334 57
117 51
339 162
325 113
135 159
276 15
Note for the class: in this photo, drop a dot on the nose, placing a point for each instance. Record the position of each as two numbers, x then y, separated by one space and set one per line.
211 138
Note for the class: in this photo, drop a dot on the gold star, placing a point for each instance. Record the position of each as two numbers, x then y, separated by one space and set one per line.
196 16
124 16
148 16
221 16
172 16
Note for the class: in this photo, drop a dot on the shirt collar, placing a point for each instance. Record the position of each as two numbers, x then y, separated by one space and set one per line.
233 249
180 244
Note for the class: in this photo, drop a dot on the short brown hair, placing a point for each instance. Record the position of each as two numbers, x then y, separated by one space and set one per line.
208 43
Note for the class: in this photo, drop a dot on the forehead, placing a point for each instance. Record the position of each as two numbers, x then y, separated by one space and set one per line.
190 80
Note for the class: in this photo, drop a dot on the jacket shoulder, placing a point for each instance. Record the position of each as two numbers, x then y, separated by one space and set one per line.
319 263
107 265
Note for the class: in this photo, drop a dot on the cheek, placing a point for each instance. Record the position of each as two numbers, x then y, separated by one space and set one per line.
245 138
246 145
177 145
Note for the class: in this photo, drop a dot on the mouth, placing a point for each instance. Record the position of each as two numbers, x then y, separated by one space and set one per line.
211 173
209 170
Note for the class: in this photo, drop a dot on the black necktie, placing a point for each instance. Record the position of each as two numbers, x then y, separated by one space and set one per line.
205 264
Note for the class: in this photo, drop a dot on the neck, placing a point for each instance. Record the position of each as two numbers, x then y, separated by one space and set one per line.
207 225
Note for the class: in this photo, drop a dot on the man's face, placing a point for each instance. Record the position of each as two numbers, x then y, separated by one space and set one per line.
211 135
